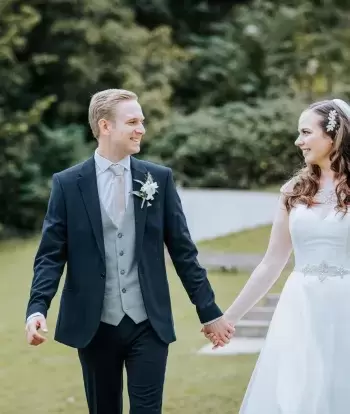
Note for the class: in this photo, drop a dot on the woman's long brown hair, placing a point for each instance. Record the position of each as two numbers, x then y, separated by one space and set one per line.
307 180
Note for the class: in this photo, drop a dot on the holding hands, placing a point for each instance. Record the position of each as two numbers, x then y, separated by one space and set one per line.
219 332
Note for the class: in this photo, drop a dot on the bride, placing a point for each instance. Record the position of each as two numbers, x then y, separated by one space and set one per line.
304 367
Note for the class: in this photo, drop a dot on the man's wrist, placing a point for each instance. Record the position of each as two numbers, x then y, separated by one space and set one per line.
33 316
214 320
209 313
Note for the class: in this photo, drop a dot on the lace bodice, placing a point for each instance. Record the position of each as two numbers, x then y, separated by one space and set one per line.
319 237
320 234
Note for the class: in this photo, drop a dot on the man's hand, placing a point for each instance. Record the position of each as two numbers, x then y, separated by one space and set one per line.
219 332
33 325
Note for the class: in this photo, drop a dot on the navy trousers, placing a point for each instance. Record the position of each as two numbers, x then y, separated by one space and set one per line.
144 355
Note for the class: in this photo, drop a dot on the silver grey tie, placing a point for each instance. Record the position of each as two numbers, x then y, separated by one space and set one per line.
118 188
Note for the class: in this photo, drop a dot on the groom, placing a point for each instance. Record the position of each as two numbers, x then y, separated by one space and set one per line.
108 218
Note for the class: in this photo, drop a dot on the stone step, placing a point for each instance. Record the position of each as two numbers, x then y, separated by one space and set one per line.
237 346
260 313
271 300
251 328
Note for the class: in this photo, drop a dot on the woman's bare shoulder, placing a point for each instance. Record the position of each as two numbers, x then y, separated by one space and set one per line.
289 185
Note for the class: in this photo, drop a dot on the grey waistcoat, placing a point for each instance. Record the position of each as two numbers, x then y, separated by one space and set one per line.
123 292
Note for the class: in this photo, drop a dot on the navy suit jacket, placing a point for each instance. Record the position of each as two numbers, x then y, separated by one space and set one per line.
72 235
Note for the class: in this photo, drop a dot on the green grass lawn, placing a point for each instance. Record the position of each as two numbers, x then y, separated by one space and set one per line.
247 241
47 379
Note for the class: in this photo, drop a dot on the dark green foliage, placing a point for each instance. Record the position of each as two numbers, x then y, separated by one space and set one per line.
221 83
234 146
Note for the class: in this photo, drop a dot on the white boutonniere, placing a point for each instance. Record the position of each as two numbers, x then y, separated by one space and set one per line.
147 191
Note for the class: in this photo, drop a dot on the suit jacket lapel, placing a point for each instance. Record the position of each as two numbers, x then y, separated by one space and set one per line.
138 172
87 183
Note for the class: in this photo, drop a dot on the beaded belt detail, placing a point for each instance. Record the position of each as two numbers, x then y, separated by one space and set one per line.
324 271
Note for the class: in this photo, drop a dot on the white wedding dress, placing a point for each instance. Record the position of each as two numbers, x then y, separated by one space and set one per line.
304 367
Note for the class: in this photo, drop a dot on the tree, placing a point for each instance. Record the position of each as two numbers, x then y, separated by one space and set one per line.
232 146
248 55
79 48
24 180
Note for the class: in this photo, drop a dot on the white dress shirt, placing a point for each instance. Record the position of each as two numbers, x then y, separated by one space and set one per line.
105 178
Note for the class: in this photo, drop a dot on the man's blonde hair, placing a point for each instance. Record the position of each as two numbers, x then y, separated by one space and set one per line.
103 105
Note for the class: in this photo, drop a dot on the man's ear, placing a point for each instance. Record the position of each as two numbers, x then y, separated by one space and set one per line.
104 126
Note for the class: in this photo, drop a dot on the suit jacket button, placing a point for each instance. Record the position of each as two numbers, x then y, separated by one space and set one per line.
120 235
122 272
123 290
